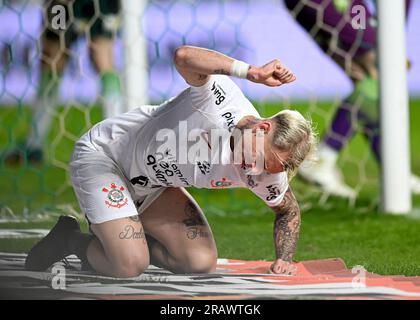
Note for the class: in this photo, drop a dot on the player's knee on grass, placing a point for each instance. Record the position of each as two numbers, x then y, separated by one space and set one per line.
200 261
130 261
130 265
126 258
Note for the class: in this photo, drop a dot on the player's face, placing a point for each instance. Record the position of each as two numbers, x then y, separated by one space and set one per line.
274 159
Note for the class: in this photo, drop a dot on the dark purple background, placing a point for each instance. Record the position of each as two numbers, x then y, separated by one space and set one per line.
253 31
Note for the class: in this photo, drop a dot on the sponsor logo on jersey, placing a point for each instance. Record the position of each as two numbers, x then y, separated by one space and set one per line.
204 167
251 182
223 183
274 192
219 93
140 180
179 174
229 117
160 169
115 196
164 169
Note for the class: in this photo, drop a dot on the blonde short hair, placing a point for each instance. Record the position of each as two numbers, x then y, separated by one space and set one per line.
295 134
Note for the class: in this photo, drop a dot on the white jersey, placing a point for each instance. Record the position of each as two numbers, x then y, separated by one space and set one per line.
130 140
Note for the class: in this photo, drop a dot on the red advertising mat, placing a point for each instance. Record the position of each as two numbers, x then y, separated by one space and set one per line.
233 279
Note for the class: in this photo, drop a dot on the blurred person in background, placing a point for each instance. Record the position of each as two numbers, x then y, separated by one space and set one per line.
329 23
96 20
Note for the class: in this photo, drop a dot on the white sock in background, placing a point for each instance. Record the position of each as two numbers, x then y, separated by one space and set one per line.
327 155
41 122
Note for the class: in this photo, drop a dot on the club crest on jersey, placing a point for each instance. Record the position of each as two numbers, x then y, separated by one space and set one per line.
115 196
221 183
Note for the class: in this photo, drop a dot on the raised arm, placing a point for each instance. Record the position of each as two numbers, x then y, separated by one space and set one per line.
286 233
196 64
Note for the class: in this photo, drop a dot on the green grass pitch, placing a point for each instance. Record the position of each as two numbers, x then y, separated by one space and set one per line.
242 225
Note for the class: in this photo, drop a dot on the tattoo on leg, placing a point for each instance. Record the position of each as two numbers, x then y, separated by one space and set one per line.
135 218
130 233
194 233
194 222
193 214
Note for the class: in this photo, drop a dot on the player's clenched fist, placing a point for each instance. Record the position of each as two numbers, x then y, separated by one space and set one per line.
272 74
283 267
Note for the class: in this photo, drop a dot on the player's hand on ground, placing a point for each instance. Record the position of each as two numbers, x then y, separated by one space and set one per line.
283 267
272 74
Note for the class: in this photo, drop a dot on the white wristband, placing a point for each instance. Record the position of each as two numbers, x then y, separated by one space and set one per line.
239 69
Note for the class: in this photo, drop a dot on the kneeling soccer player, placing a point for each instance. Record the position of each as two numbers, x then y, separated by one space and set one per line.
131 185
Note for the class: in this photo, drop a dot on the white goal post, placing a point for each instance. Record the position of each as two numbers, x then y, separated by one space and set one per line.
135 74
394 113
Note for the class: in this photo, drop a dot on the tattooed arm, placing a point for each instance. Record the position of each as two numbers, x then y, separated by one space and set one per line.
195 64
286 233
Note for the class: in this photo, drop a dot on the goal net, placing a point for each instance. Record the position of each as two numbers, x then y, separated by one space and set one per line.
58 80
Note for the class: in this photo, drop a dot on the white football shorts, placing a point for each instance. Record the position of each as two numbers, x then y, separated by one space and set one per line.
103 192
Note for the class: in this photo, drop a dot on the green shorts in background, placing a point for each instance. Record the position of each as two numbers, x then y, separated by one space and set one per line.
84 19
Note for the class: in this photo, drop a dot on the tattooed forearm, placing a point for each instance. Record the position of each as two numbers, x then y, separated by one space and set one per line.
286 227
222 71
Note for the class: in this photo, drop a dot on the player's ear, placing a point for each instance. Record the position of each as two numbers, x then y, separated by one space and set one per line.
263 125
